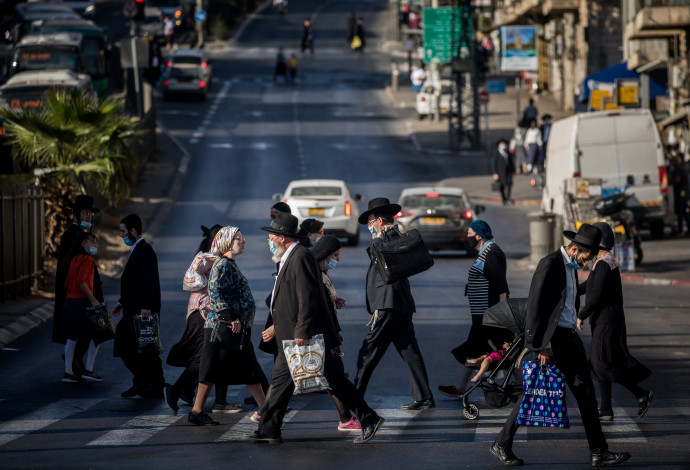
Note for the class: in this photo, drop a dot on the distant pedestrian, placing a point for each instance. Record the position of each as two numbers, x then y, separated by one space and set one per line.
517 148
168 29
545 130
359 39
351 28
391 307
307 37
609 356
533 145
504 167
311 231
281 66
678 177
529 114
292 67
417 77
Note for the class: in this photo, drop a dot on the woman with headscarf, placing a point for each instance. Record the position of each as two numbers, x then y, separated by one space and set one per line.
486 286
609 356
230 300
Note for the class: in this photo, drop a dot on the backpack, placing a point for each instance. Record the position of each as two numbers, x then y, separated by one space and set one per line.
400 256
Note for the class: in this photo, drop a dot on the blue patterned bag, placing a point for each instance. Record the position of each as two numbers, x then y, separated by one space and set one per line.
543 403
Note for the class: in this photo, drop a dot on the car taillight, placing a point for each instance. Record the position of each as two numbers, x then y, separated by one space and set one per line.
348 208
202 84
402 214
166 82
170 63
469 214
204 64
663 180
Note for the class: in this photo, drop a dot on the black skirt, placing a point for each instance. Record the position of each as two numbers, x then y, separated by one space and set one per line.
188 348
609 356
477 343
222 366
74 321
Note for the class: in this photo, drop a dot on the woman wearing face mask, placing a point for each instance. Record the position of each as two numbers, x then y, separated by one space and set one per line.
79 287
504 167
486 286
310 232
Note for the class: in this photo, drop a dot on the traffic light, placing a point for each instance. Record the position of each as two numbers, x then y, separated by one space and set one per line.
139 13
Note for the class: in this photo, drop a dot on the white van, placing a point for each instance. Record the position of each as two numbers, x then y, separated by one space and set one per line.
621 147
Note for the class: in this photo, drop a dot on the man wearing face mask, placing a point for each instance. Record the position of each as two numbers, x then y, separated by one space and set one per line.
140 294
504 167
550 331
391 307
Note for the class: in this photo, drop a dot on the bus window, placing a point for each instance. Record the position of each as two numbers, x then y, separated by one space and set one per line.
94 53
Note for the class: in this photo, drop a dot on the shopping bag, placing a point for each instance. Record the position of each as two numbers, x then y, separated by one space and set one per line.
148 334
356 43
496 186
223 336
543 402
306 364
102 327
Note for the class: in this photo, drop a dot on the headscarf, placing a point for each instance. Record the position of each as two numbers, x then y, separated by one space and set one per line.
223 240
482 229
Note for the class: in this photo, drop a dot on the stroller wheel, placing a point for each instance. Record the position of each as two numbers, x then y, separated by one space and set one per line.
471 412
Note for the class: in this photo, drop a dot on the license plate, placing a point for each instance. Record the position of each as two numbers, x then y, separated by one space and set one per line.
315 211
184 80
433 220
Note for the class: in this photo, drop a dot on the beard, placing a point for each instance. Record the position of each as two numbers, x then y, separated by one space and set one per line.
280 251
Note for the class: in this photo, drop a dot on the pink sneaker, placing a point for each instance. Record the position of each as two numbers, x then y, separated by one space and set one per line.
352 425
256 417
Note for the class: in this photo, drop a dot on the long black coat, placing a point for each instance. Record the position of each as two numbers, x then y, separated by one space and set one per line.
504 169
300 308
546 301
382 296
140 288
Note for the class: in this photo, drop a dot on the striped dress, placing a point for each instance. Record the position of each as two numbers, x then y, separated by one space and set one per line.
478 284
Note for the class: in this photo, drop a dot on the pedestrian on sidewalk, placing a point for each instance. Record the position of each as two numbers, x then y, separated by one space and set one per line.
391 307
486 286
168 29
504 167
517 148
307 37
529 114
533 145
678 178
545 130
609 356
140 294
551 331
300 311
417 77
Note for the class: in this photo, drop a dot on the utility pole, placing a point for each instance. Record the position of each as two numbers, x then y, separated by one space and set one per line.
199 24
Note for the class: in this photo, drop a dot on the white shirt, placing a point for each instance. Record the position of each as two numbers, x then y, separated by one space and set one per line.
417 77
533 136
283 259
568 317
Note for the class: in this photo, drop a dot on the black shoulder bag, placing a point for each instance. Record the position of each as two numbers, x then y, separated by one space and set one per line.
400 256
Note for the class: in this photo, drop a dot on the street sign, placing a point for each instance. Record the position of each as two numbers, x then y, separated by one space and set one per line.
200 16
443 33
496 87
483 97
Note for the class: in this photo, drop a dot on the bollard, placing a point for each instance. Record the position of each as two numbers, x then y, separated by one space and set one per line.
394 76
437 105
541 235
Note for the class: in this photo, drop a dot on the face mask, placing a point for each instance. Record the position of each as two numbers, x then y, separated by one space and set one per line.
331 264
316 240
372 230
501 147
93 250
272 247
85 225
574 264
128 240
477 242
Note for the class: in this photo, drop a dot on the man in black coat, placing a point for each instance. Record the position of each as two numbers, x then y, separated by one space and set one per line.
392 307
299 309
504 167
140 294
550 330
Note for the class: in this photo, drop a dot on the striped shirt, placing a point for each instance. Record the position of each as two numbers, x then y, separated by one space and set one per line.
477 283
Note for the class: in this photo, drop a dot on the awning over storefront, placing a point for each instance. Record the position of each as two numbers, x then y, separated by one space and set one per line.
679 116
657 80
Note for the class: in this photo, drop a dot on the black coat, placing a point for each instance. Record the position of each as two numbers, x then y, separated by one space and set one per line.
504 170
300 308
140 288
604 301
382 296
546 301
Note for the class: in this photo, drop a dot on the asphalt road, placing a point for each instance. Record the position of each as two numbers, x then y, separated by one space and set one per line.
247 141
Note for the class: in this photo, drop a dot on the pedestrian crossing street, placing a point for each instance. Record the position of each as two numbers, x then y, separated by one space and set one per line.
444 424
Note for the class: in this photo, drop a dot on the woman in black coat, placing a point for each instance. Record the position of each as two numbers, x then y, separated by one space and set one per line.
609 356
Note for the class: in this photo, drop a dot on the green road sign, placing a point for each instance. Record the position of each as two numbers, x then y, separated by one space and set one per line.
443 32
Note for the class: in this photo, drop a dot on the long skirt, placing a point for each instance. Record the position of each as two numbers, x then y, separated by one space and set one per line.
222 366
189 347
609 356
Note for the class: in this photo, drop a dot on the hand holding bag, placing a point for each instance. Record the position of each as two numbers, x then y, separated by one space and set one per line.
306 364
496 186
543 403
102 327
223 336
148 334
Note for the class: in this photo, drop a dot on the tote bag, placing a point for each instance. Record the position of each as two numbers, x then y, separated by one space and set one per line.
148 334
543 403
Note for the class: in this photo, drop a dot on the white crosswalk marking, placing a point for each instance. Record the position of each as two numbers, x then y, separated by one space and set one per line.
137 430
396 419
624 428
246 425
490 423
44 417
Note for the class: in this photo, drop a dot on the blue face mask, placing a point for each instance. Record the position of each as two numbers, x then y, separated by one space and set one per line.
272 247
93 251
85 225
128 240
317 239
574 264
372 230
330 264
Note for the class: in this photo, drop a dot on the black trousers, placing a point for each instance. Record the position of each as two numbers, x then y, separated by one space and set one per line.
505 191
571 359
282 388
147 370
397 328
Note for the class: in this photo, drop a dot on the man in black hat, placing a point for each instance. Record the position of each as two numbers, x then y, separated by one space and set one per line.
299 309
82 221
392 307
504 167
550 331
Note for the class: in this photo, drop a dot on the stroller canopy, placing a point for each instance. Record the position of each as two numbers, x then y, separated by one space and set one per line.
509 313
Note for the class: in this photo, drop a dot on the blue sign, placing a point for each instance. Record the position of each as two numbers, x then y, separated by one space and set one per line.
496 87
200 16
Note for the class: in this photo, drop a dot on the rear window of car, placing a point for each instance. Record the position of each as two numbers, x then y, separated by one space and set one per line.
187 60
186 72
305 191
440 201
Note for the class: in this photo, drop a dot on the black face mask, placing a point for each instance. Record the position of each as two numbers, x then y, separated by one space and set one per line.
477 242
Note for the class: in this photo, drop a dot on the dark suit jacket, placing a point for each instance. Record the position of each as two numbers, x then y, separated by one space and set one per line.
505 171
382 296
546 301
300 308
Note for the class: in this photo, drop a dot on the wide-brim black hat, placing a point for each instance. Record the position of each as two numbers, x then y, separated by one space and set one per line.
608 239
587 235
82 202
284 224
379 205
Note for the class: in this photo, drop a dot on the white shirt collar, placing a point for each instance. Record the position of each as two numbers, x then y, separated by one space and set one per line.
131 249
286 255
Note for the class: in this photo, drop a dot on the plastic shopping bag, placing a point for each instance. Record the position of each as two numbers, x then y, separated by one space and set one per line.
543 403
306 364
356 43
148 334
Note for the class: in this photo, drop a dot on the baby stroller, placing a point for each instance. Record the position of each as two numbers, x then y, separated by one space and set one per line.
509 314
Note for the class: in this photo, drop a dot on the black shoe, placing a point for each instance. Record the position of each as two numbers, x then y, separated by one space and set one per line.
451 391
201 419
369 431
419 405
250 401
263 438
605 416
170 398
506 456
644 403
133 391
605 458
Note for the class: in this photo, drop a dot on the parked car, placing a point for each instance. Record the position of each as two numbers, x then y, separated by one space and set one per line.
426 96
188 72
330 201
441 214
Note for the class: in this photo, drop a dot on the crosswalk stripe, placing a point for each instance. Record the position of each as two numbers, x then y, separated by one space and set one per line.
44 417
490 423
137 430
246 425
396 419
624 426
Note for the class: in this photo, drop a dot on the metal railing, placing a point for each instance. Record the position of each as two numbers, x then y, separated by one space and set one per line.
22 226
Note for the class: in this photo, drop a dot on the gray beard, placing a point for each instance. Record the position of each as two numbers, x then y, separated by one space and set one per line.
280 251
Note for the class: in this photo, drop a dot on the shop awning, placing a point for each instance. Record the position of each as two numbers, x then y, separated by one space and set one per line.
679 116
657 80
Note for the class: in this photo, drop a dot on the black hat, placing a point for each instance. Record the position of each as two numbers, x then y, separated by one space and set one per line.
587 236
283 224
607 237
82 202
281 206
326 246
498 142
379 205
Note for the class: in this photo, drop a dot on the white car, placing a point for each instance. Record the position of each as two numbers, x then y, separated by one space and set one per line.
329 201
426 96
188 72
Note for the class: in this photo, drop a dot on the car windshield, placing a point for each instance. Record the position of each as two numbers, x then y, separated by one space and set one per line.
433 201
186 72
187 60
308 191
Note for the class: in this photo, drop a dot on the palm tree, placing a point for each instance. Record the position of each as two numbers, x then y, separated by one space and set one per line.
73 142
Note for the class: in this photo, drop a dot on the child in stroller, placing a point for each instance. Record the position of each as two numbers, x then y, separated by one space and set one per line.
487 359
